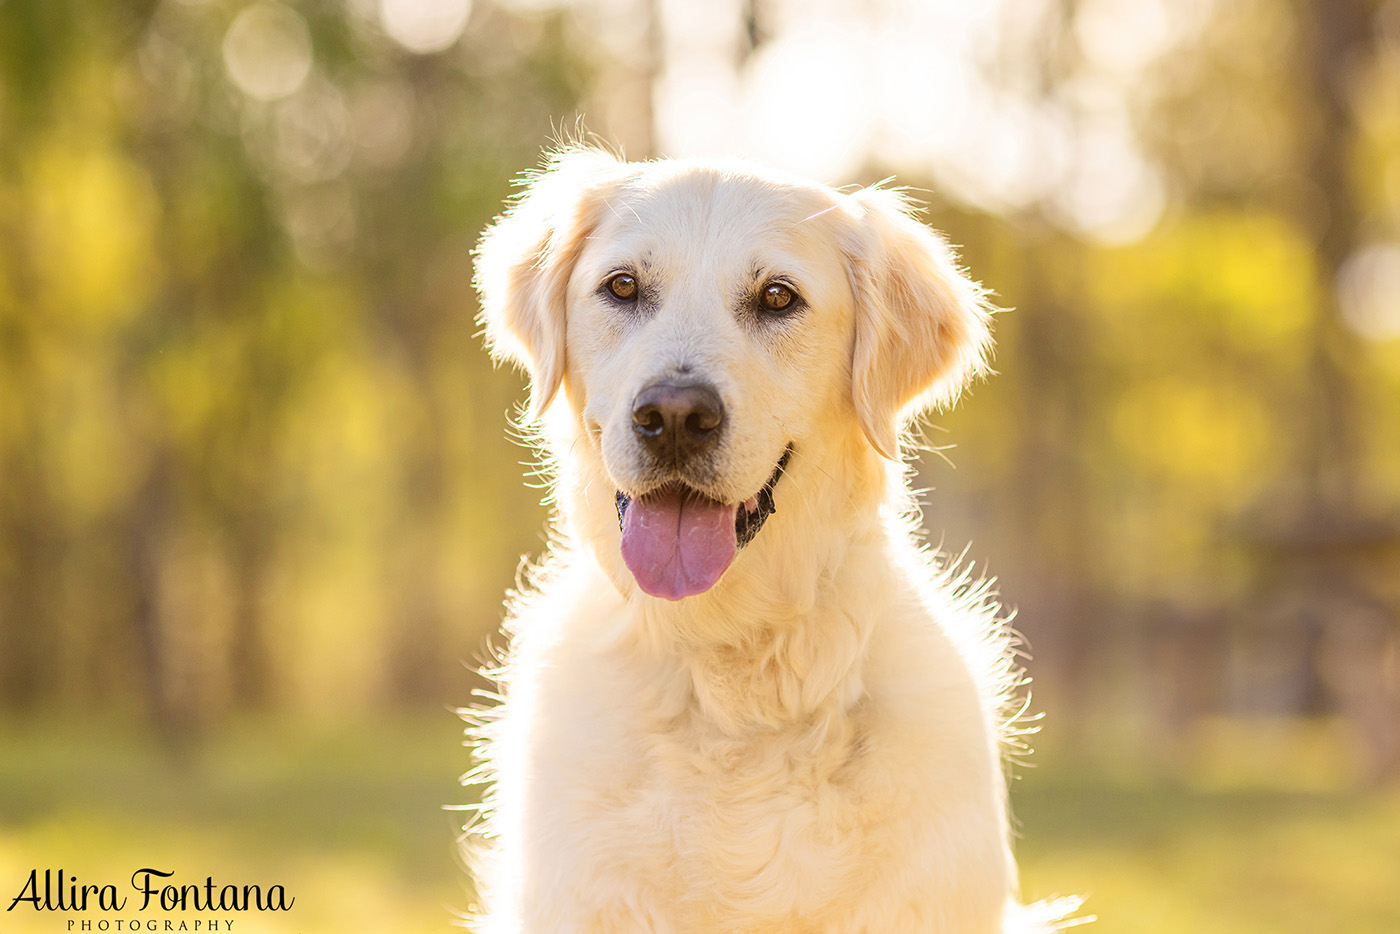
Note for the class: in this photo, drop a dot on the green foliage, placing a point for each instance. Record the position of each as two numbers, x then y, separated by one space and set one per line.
252 455
250 448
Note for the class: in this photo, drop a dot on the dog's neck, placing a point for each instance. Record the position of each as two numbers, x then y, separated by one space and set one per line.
778 642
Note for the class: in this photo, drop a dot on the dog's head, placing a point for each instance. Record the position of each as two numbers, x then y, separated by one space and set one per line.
706 321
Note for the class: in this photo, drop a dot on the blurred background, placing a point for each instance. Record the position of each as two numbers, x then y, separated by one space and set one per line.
259 503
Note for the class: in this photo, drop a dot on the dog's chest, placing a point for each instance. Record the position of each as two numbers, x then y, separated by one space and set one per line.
768 825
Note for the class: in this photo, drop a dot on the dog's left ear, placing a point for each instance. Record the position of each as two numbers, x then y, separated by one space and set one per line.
524 261
922 327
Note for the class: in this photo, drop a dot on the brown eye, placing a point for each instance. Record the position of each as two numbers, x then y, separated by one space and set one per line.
623 286
776 297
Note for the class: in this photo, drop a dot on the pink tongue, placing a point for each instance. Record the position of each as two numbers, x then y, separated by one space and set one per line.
677 546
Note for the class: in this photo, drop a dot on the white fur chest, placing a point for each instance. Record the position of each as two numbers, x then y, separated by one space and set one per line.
761 826
714 828
731 786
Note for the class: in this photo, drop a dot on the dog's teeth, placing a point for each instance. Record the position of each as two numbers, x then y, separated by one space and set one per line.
751 505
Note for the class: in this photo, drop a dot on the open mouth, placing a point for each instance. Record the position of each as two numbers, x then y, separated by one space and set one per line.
677 541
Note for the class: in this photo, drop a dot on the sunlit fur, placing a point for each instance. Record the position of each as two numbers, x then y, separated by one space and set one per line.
815 744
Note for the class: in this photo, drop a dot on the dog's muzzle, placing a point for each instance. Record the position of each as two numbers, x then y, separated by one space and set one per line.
677 542
746 522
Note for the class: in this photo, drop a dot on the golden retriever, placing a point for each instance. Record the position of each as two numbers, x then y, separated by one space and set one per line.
739 696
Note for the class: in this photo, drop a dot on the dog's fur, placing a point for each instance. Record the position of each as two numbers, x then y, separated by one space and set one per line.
815 743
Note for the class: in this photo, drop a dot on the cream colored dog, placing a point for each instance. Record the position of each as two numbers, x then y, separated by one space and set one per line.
739 696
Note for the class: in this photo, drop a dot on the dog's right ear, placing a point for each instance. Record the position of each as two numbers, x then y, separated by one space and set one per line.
524 261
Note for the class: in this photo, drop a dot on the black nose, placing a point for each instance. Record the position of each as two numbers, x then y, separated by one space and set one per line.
677 421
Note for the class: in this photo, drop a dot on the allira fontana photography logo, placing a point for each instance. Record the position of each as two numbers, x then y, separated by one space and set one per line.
150 890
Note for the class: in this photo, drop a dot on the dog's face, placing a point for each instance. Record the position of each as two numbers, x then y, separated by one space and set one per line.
708 320
709 326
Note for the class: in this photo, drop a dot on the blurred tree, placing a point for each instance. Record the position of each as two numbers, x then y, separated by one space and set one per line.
1198 430
243 415
252 454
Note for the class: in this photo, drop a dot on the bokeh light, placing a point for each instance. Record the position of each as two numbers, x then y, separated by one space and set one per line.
267 51
1370 291
425 26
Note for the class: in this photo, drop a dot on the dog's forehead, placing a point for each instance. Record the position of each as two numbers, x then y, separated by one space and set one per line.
686 208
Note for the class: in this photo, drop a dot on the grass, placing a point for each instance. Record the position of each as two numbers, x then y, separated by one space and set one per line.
350 822
1261 828
1172 859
